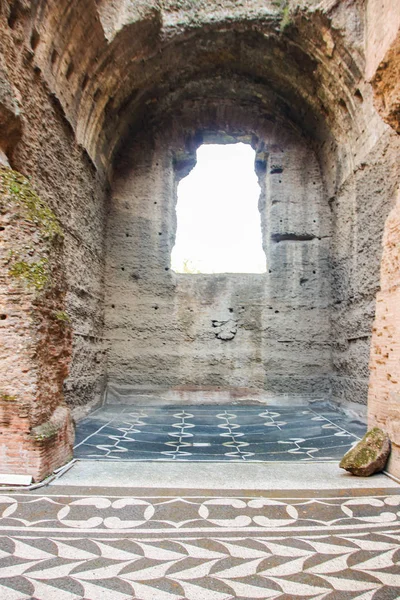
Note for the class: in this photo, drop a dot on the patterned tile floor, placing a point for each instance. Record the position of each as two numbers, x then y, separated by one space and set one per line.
107 544
97 543
215 433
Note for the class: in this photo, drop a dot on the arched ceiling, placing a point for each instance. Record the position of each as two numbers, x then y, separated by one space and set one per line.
116 65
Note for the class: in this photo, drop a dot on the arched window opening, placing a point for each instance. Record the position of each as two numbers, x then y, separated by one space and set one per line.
218 221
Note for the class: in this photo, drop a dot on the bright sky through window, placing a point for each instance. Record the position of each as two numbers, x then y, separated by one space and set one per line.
218 222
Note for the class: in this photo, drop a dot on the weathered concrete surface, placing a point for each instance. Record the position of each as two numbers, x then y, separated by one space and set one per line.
359 212
324 476
10 122
382 23
161 325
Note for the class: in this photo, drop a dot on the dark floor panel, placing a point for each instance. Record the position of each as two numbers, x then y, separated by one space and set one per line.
215 433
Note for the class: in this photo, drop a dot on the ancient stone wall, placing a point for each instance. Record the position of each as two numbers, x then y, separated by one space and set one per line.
268 331
36 433
117 89
359 211
384 386
384 395
43 146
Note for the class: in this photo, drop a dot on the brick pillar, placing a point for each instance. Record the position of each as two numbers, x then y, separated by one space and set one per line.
384 387
36 433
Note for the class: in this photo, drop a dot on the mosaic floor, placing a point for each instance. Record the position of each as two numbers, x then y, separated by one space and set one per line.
215 433
104 544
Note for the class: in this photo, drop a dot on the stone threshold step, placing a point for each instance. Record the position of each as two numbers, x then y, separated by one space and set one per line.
222 476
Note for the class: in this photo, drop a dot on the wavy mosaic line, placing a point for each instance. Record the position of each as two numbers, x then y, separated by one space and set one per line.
215 433
204 513
182 436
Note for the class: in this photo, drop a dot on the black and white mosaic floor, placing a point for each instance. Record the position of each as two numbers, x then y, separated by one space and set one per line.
104 545
215 433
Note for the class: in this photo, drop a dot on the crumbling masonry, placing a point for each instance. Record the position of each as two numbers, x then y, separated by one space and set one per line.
103 104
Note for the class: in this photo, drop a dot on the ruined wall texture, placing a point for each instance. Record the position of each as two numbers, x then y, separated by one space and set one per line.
115 95
65 178
36 433
357 178
359 212
384 395
384 386
164 329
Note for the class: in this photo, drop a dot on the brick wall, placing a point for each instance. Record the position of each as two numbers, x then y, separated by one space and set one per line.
384 387
36 433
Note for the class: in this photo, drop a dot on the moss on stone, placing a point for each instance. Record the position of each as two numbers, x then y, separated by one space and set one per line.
16 188
286 19
7 397
35 274
44 432
369 455
363 456
63 316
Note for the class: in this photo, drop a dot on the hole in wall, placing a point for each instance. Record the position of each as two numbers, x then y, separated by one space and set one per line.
12 18
218 220
54 57
70 70
358 96
343 105
35 39
84 83
3 317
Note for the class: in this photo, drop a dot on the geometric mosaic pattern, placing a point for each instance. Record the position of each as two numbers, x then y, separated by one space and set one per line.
219 547
215 433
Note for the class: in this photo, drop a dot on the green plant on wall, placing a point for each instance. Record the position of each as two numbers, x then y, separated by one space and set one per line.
7 397
35 274
16 188
62 316
44 432
16 191
285 15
